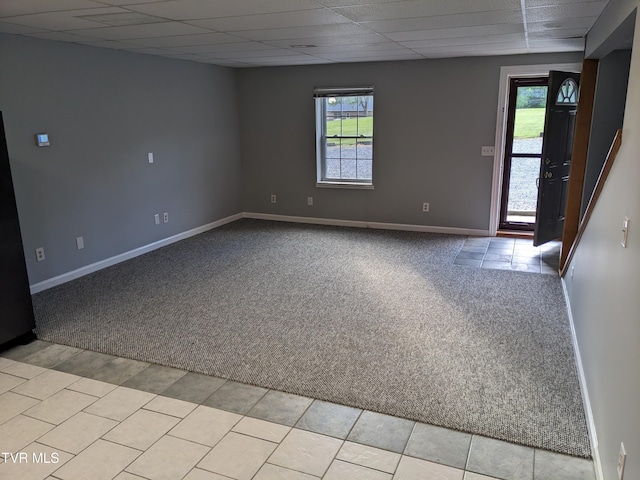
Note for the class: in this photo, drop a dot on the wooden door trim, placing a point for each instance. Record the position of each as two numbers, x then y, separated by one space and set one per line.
588 81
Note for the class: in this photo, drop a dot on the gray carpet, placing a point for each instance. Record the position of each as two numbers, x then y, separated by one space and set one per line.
373 319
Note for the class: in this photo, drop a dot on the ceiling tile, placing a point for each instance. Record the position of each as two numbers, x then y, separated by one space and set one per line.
186 40
369 55
383 58
240 56
558 33
17 29
366 39
142 31
199 9
459 32
67 20
564 23
286 60
61 37
224 47
346 3
321 16
358 49
546 3
459 49
306 32
420 8
111 44
575 43
555 12
446 21
26 7
444 42
128 2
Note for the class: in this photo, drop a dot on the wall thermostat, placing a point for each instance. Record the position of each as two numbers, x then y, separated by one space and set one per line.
42 139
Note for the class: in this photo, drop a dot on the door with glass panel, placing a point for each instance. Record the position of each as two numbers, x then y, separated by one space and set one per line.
523 152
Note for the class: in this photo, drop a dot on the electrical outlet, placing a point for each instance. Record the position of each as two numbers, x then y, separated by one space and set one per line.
156 218
309 200
80 243
165 217
425 207
40 254
622 458
273 198
488 151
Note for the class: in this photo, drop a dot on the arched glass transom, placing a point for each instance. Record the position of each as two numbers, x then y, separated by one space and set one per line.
568 93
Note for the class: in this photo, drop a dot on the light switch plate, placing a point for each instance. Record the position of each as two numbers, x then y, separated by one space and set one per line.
625 232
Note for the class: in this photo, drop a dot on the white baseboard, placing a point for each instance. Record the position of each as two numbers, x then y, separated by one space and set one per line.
94 267
364 224
591 426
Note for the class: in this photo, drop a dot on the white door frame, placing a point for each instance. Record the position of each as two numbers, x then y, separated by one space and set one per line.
506 73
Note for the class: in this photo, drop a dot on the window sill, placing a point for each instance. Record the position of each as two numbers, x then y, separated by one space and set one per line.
352 185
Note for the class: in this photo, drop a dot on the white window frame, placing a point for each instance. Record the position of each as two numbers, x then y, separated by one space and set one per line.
320 94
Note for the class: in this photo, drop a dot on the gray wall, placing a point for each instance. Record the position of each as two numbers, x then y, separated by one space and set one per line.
431 119
608 113
606 280
104 111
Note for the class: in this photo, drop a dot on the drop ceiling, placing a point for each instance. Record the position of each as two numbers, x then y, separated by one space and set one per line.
253 33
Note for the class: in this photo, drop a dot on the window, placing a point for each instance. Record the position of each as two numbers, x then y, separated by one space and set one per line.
568 93
344 136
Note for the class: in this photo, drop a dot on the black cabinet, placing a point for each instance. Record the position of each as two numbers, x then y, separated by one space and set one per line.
16 311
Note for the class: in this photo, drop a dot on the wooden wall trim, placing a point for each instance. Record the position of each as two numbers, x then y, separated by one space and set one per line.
588 81
604 173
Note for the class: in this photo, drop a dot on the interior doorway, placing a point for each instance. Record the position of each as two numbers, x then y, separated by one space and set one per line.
525 122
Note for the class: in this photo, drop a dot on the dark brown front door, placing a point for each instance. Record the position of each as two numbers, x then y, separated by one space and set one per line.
557 147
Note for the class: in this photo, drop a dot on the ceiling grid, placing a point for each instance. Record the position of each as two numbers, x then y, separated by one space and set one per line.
253 33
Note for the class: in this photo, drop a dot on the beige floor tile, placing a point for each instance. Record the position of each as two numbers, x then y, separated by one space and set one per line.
60 406
92 387
78 432
238 456
23 370
5 362
415 469
370 457
477 476
171 406
306 452
198 474
7 382
100 461
142 429
21 431
128 476
46 384
168 459
41 462
262 429
120 403
340 470
205 425
12 404
274 472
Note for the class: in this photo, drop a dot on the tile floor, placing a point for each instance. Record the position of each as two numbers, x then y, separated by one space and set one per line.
71 414
501 253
